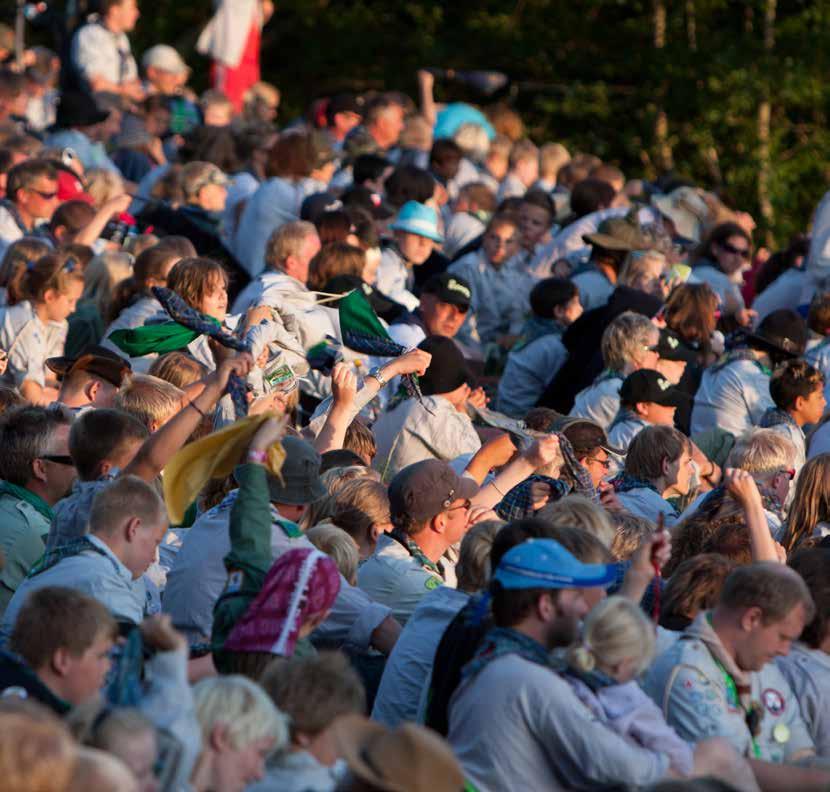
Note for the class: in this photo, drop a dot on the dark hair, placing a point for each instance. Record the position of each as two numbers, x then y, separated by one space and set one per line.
694 586
333 226
768 585
409 183
542 200
73 216
510 606
792 379
813 564
22 176
52 271
149 264
551 293
291 157
591 195
56 617
818 317
339 457
19 255
780 261
444 152
97 435
541 419
717 236
368 167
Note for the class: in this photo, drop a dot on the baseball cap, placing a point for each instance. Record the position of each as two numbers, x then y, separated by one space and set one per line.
450 289
425 489
545 564
97 360
447 369
361 197
317 204
672 347
782 333
165 58
647 385
420 219
345 103
300 475
585 435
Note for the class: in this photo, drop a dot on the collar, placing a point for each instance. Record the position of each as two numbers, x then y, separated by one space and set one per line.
35 501
411 546
104 548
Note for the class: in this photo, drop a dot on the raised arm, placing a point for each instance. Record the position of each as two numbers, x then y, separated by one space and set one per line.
741 486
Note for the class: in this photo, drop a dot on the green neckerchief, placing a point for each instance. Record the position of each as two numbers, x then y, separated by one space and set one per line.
35 501
416 552
159 338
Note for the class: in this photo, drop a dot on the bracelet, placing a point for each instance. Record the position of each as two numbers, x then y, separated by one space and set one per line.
196 407
257 457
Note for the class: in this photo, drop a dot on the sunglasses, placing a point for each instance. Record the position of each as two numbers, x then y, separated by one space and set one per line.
59 459
47 196
742 252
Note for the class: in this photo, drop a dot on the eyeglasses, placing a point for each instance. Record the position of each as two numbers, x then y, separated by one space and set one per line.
59 459
606 463
742 252
466 506
47 196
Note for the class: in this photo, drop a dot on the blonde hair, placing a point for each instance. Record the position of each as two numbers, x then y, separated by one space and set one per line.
624 339
631 530
36 750
634 267
761 451
101 276
523 150
579 511
287 240
339 546
150 399
614 631
417 133
473 568
552 156
101 771
472 139
103 184
811 502
178 368
243 707
360 504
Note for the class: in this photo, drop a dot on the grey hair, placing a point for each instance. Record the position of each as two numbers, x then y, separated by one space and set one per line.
25 435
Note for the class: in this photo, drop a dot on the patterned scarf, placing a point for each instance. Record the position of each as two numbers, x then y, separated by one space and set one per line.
518 503
501 641
775 417
536 327
741 353
624 482
412 547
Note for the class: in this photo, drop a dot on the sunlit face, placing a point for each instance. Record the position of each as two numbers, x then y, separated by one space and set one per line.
672 370
659 414
415 248
501 243
59 305
441 318
534 223
812 408
215 300
388 126
646 357
597 464
733 254
40 199
571 311
144 546
298 266
85 674
679 475
370 268
761 644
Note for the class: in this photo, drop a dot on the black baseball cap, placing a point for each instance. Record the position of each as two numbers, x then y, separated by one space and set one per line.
647 385
447 369
450 289
361 197
425 489
672 347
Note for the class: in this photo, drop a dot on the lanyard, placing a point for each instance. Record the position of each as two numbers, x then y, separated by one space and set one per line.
752 717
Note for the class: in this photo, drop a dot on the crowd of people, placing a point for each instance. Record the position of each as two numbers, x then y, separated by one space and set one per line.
384 448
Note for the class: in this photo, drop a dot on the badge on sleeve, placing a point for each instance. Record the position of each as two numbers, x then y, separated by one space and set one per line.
781 733
432 583
774 702
234 583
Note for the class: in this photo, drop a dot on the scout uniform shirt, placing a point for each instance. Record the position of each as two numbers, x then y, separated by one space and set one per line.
699 699
28 342
808 672
600 401
396 576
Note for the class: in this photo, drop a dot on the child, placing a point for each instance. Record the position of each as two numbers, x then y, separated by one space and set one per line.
617 646
522 172
536 215
36 328
473 208
416 236
798 392
15 261
818 344
499 285
338 546
539 353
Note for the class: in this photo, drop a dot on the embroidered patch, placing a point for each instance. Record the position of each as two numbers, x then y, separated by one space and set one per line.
15 692
774 702
234 583
431 583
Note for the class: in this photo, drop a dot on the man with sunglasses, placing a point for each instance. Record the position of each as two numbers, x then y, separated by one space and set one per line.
430 511
31 198
36 472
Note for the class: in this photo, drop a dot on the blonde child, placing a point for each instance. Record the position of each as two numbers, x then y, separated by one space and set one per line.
35 329
618 644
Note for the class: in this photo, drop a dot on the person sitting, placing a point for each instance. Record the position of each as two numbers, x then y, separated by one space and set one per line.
797 389
658 466
59 649
472 210
646 398
31 197
313 692
429 505
628 344
539 353
80 124
91 379
734 392
537 215
522 170
725 657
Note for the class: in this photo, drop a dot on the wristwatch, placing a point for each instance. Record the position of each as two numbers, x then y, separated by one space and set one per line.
377 373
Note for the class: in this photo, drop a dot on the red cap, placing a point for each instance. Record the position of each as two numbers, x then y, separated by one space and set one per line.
71 188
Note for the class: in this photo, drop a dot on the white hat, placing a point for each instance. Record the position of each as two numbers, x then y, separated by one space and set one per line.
166 58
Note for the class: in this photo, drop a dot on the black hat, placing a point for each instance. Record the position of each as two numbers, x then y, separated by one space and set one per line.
672 347
97 360
647 385
783 334
447 370
317 204
360 197
78 109
345 103
450 289
424 489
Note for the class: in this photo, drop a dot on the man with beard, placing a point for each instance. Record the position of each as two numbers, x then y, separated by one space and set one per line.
514 722
36 472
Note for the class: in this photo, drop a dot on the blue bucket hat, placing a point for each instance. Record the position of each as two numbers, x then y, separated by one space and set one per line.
420 219
545 564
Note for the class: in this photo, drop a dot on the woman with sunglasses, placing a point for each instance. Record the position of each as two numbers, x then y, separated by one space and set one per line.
721 262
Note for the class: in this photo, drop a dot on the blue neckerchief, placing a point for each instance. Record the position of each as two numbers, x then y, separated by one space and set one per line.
625 482
594 679
536 327
501 641
775 416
